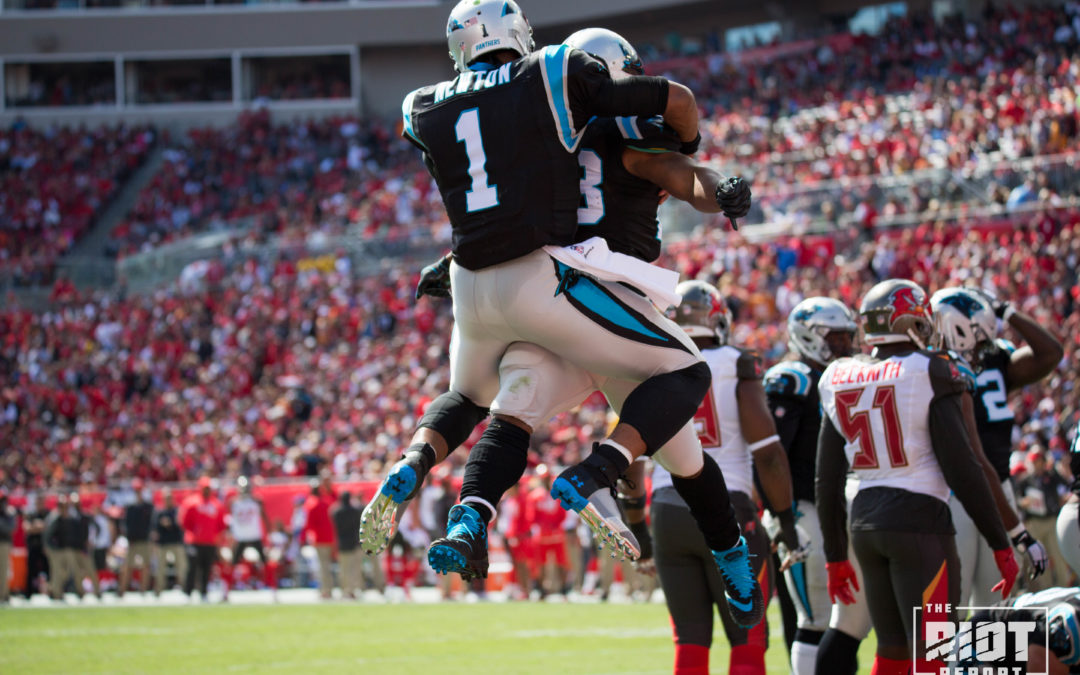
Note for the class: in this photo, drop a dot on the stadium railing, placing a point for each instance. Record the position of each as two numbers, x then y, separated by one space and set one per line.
949 194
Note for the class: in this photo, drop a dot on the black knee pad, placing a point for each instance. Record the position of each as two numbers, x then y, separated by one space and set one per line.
496 463
453 417
662 404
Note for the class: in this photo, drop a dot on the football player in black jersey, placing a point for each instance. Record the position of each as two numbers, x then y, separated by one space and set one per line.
1055 613
620 335
500 140
967 324
819 330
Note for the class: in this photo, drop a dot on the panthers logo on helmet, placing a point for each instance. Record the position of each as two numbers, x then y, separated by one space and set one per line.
908 301
963 302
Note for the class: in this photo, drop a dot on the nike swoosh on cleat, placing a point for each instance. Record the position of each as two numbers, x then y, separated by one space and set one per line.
745 606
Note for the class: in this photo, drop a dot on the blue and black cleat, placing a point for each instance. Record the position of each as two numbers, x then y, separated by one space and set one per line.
378 522
745 601
464 548
584 490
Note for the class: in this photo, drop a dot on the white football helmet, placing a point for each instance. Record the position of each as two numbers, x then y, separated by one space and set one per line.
814 318
609 47
477 27
964 321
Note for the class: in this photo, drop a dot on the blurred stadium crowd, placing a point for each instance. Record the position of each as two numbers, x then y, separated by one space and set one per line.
294 367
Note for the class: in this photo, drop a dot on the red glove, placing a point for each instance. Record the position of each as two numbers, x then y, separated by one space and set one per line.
1006 564
840 575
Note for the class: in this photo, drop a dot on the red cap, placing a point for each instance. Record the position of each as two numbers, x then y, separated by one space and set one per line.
1034 455
205 482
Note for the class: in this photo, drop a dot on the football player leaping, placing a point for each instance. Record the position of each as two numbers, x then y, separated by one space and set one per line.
895 418
819 331
966 325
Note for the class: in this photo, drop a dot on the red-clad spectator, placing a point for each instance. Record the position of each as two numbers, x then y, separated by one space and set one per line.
548 535
319 531
203 518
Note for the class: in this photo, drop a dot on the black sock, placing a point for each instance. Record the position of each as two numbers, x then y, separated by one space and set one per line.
710 505
496 463
426 456
608 461
838 653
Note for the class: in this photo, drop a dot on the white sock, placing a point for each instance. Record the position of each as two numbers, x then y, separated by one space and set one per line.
625 453
803 657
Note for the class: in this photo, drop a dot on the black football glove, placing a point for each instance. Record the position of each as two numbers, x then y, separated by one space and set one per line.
734 197
1029 545
435 279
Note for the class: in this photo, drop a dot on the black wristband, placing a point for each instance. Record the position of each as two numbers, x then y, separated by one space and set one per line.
641 532
691 147
786 518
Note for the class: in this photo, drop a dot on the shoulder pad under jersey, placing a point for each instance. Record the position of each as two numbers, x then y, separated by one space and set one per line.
789 378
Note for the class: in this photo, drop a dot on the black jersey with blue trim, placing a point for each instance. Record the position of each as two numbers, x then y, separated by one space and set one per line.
615 204
791 388
1059 605
993 415
501 145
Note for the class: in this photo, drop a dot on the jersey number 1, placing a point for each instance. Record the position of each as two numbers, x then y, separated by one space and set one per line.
856 425
481 195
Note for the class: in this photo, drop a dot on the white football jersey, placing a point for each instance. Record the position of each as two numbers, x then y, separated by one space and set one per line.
882 409
717 419
246 522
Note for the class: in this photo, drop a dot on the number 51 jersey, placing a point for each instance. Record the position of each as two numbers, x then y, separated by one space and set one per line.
882 409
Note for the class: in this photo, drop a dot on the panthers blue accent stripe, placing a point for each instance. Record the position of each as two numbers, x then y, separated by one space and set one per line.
554 67
627 127
798 573
774 382
406 117
589 294
966 372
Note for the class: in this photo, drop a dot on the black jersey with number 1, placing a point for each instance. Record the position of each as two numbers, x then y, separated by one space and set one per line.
501 142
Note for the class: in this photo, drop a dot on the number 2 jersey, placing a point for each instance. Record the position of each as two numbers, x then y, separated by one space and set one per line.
993 415
501 146
900 426
717 419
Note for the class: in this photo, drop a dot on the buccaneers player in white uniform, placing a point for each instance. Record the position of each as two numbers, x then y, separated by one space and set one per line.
895 418
736 429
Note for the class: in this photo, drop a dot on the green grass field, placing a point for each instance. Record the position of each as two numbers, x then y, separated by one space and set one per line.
542 638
